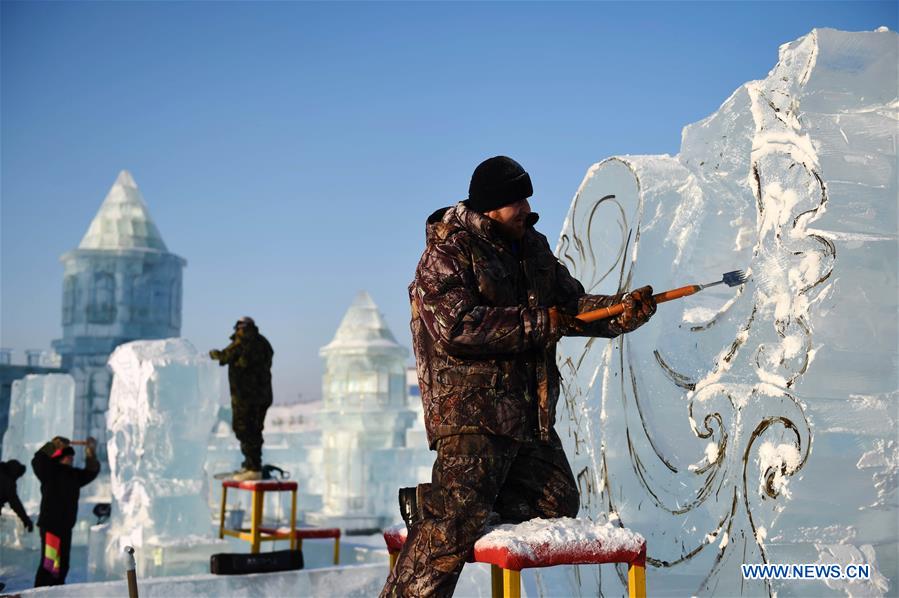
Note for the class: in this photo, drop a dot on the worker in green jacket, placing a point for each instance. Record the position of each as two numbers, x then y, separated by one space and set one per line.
249 361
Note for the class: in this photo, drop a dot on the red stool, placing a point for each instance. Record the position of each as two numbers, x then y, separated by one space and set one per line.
545 543
256 534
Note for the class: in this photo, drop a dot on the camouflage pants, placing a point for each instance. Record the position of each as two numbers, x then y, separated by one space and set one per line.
472 476
247 421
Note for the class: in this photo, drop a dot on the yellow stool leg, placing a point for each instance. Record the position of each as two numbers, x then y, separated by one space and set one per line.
222 513
256 521
636 581
496 582
393 557
511 583
337 551
293 519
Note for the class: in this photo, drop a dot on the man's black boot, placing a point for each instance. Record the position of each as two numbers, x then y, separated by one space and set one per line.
409 506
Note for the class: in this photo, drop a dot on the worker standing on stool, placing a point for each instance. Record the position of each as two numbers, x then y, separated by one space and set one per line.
489 302
249 361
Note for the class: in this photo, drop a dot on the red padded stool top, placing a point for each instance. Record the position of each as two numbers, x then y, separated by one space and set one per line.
395 537
563 541
266 485
548 542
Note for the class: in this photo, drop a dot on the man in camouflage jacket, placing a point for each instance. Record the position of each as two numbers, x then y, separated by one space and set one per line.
489 302
249 361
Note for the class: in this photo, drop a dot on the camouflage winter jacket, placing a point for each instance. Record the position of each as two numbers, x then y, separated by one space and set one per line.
249 360
480 328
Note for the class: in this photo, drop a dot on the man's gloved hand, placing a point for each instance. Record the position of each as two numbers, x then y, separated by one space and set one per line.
90 448
28 524
215 354
562 324
639 306
60 442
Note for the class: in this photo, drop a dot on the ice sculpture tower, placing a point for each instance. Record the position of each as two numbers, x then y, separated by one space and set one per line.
365 410
120 284
754 424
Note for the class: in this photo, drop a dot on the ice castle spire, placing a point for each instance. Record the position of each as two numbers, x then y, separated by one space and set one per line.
120 284
363 329
123 221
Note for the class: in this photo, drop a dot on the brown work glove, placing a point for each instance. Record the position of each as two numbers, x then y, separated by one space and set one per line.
90 448
60 442
215 354
639 306
562 324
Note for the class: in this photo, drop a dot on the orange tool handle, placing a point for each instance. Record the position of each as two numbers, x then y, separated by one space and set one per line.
610 312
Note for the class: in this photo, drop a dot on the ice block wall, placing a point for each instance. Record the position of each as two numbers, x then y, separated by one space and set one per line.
753 424
162 407
41 407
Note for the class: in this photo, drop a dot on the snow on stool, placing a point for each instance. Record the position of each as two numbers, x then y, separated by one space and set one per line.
563 541
395 537
545 543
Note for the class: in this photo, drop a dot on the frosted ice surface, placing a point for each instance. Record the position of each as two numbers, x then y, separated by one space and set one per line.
698 429
41 407
162 406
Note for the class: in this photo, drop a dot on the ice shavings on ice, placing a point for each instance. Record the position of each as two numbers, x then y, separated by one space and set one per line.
884 458
711 456
776 463
848 554
542 537
695 315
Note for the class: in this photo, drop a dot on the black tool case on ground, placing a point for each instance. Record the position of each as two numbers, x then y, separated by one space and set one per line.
227 563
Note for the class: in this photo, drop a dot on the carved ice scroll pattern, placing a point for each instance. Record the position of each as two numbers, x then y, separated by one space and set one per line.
746 386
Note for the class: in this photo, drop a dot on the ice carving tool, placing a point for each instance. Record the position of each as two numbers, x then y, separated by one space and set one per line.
731 279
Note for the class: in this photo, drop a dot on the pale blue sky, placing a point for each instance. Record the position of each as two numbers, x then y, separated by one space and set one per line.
291 151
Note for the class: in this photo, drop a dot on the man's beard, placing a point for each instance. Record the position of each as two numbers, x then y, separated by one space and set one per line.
513 231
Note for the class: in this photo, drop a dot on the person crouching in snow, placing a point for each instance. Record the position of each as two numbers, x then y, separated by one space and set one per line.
489 303
249 361
60 489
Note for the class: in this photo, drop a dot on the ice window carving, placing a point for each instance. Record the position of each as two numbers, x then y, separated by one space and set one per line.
69 300
102 308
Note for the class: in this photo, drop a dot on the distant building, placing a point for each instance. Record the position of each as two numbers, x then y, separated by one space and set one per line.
365 415
120 284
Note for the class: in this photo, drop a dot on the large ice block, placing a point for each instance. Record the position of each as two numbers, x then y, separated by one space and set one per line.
161 410
41 407
754 424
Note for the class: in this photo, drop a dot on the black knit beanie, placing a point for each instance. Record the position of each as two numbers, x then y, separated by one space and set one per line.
497 182
15 469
